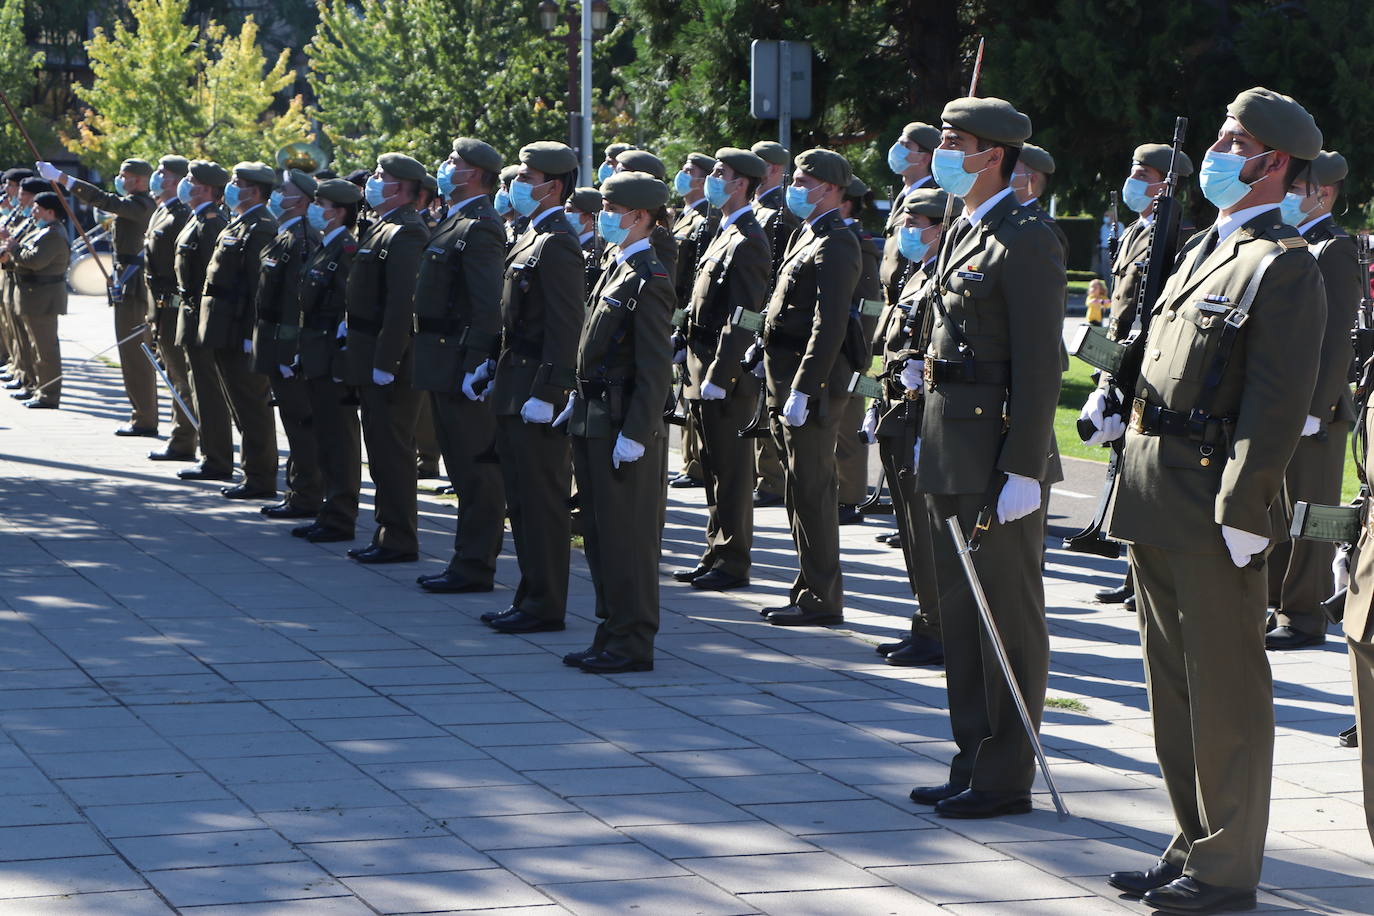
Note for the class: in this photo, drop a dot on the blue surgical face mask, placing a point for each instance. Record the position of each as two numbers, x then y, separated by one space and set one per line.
605 171
897 158
798 201
502 201
608 224
375 192
1135 193
445 179
522 197
274 204
1290 208
947 165
716 194
682 183
184 191
1220 178
315 216
155 184
119 185
910 241
232 196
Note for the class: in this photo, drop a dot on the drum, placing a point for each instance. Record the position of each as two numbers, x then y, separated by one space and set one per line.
83 275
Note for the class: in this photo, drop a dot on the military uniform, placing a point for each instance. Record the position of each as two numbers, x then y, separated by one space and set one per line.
40 276
227 319
132 213
1132 257
851 451
458 326
195 245
159 259
21 357
696 224
893 268
778 224
1359 640
735 270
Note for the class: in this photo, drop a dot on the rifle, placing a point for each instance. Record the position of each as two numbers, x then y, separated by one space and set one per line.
1113 246
1121 362
757 427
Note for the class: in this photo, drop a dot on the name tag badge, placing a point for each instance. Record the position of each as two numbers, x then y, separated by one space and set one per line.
434 249
969 274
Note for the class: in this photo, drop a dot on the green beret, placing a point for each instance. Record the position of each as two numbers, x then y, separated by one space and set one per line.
639 160
988 119
856 188
174 163
1278 122
922 134
17 174
742 162
929 202
209 173
35 185
338 191
1156 156
615 149
1036 157
825 165
549 157
49 200
136 167
701 161
257 172
477 154
588 200
1329 168
399 165
303 181
635 190
430 183
508 173
771 151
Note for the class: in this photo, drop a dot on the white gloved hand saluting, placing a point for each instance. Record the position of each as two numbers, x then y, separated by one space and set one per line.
49 172
795 411
382 377
1108 426
536 411
1020 497
1311 426
913 375
869 429
567 410
474 378
1242 545
710 392
626 451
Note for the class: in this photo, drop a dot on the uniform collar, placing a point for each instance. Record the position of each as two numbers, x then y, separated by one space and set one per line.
1305 227
203 206
726 221
333 233
977 216
625 253
463 203
286 226
1225 225
540 217
815 221
584 237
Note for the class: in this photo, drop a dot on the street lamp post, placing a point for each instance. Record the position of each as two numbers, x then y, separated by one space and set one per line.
585 21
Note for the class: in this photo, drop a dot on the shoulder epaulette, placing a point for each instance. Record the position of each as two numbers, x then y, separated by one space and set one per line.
1288 244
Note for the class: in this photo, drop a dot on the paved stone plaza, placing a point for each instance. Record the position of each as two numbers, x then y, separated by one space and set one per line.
204 715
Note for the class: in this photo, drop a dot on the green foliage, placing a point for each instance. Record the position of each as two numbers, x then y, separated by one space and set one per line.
17 66
163 86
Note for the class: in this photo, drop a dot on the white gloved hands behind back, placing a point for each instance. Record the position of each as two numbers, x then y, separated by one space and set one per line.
1242 545
626 451
1020 497
795 411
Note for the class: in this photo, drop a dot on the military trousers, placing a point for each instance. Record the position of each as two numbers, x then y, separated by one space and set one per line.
994 753
466 431
212 409
727 470
1211 700
304 488
767 466
913 529
536 466
21 360
1299 570
184 437
1362 680
620 511
428 448
807 453
338 444
851 455
140 381
250 404
388 421
691 447
45 355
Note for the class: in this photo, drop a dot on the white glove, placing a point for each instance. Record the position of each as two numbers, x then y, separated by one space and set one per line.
913 374
1311 426
869 430
1108 426
679 356
1242 544
342 332
567 410
626 450
286 371
758 371
382 378
916 458
49 172
536 411
1340 569
711 392
795 411
248 346
474 378
1020 497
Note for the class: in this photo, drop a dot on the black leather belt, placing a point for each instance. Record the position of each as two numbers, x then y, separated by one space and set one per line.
1154 420
269 316
599 387
445 326
788 341
365 325
41 281
320 321
523 347
970 372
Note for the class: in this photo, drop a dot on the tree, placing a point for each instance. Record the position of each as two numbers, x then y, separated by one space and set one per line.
17 75
165 86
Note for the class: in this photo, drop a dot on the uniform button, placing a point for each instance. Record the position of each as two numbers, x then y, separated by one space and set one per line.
967 293
1172 314
939 323
1205 462
822 384
1154 354
977 411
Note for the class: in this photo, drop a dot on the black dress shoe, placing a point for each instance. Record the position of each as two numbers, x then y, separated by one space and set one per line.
39 404
882 538
1189 895
14 385
718 580
850 515
687 575
763 499
303 531
1137 883
201 472
489 616
1114 595
450 584
1281 639
610 663
128 429
923 650
427 471
244 491
168 455
883 648
23 394
520 622
933 795
575 659
683 482
320 535
285 509
894 540
975 803
1129 603
377 554
1350 737
797 616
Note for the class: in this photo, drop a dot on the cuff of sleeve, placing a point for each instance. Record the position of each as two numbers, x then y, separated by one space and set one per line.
1253 519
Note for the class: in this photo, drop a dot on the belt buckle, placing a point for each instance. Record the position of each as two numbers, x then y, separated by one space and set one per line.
1236 318
1138 415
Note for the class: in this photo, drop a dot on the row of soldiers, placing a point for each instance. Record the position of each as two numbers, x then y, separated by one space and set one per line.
34 254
